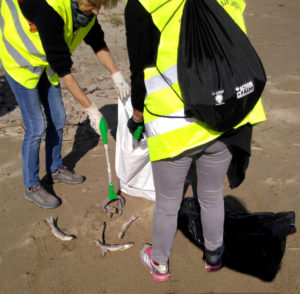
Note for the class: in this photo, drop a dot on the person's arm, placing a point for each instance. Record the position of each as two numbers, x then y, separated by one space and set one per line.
72 85
107 60
120 83
142 43
51 31
90 108
50 26
95 39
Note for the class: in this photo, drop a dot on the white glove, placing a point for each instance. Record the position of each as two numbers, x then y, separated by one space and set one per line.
94 116
121 85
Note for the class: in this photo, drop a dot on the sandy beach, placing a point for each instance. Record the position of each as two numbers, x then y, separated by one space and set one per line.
33 261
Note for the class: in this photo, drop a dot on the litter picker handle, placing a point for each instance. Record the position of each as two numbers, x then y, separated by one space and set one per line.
103 129
137 133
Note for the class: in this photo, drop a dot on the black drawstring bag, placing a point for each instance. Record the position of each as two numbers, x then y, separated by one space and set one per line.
254 242
220 75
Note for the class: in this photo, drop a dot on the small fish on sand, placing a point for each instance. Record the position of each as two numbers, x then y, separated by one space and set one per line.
57 232
126 226
111 211
110 247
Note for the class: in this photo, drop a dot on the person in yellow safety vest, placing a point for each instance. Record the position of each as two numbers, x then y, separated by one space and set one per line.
152 30
37 38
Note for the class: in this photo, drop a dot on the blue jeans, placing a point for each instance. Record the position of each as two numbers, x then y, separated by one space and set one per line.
43 113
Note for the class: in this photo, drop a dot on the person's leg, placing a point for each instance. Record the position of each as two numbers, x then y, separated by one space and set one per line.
169 178
56 118
34 121
31 109
212 167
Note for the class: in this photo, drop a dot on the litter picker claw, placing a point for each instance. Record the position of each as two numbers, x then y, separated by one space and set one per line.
112 196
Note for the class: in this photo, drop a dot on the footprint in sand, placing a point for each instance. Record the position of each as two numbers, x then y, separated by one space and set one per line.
272 181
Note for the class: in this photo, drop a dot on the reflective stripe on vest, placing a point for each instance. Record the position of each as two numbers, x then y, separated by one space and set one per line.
169 133
175 120
27 42
21 51
163 125
20 60
157 82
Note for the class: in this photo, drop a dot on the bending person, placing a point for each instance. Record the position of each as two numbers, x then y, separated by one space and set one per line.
37 38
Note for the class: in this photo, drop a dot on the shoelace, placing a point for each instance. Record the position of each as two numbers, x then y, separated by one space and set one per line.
147 258
64 169
34 188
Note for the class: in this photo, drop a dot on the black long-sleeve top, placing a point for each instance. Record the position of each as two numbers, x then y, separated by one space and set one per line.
142 43
50 26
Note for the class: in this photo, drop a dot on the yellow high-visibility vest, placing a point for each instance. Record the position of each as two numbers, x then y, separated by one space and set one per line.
21 51
169 133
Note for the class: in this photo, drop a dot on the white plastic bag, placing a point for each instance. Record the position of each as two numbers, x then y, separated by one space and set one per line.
133 167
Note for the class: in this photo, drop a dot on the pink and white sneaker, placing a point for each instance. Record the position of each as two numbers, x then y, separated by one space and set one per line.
160 272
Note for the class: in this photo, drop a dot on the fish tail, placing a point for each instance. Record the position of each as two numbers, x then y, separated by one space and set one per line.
104 250
49 220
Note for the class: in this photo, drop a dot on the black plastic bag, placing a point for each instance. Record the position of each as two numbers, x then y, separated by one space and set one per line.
220 74
254 242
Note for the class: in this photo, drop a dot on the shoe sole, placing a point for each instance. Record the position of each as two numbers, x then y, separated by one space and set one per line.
38 204
212 268
67 182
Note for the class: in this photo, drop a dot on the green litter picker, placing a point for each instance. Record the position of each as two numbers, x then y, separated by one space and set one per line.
112 196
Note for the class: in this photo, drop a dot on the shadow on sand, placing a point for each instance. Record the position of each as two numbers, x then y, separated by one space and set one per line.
7 99
254 242
85 140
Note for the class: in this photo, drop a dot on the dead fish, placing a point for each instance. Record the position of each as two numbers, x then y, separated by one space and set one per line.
57 232
112 247
126 226
111 210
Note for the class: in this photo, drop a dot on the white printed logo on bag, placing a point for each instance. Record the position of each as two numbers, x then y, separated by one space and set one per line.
244 90
219 98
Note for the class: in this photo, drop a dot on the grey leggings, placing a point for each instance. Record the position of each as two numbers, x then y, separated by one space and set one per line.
169 177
